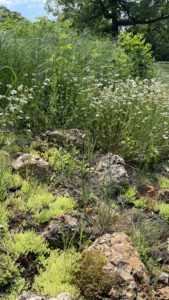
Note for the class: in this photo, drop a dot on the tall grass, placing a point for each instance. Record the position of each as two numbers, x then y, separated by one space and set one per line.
51 77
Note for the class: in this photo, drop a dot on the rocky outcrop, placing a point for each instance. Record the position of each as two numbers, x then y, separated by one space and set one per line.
61 230
111 171
60 137
162 294
30 165
28 296
123 262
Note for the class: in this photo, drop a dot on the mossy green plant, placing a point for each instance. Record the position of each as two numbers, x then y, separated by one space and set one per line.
26 242
61 161
39 200
131 193
58 274
163 209
60 206
163 182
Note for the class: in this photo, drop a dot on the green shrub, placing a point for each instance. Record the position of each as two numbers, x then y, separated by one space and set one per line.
140 54
92 280
58 274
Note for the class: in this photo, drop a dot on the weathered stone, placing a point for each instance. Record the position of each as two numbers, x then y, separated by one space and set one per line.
123 261
164 277
162 294
28 296
72 136
163 195
30 165
111 170
65 296
62 229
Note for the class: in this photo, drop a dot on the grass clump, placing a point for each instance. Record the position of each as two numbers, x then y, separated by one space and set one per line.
57 275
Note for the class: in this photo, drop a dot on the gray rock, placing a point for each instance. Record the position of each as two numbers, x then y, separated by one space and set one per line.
123 261
164 278
30 165
29 296
61 230
71 136
163 195
111 171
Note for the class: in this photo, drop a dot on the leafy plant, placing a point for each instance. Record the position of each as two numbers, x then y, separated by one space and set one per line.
163 209
163 182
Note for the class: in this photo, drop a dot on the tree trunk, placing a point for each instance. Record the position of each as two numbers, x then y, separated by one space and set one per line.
114 13
115 28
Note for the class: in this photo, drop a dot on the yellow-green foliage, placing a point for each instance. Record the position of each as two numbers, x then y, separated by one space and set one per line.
140 203
91 278
60 161
58 274
8 270
55 209
163 182
3 217
24 243
27 189
39 200
131 193
163 208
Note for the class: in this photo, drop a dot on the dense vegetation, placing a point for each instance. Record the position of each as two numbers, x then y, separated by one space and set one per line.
53 77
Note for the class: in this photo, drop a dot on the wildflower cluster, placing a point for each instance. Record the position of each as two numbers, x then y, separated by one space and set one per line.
132 118
17 103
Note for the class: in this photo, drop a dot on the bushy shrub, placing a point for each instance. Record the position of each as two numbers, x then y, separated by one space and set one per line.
91 278
58 274
140 54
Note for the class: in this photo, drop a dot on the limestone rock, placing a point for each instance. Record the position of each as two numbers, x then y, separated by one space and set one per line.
163 195
61 229
71 136
111 170
164 278
123 261
28 296
162 294
30 165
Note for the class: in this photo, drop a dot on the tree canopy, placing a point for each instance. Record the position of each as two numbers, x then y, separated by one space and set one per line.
116 13
6 14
